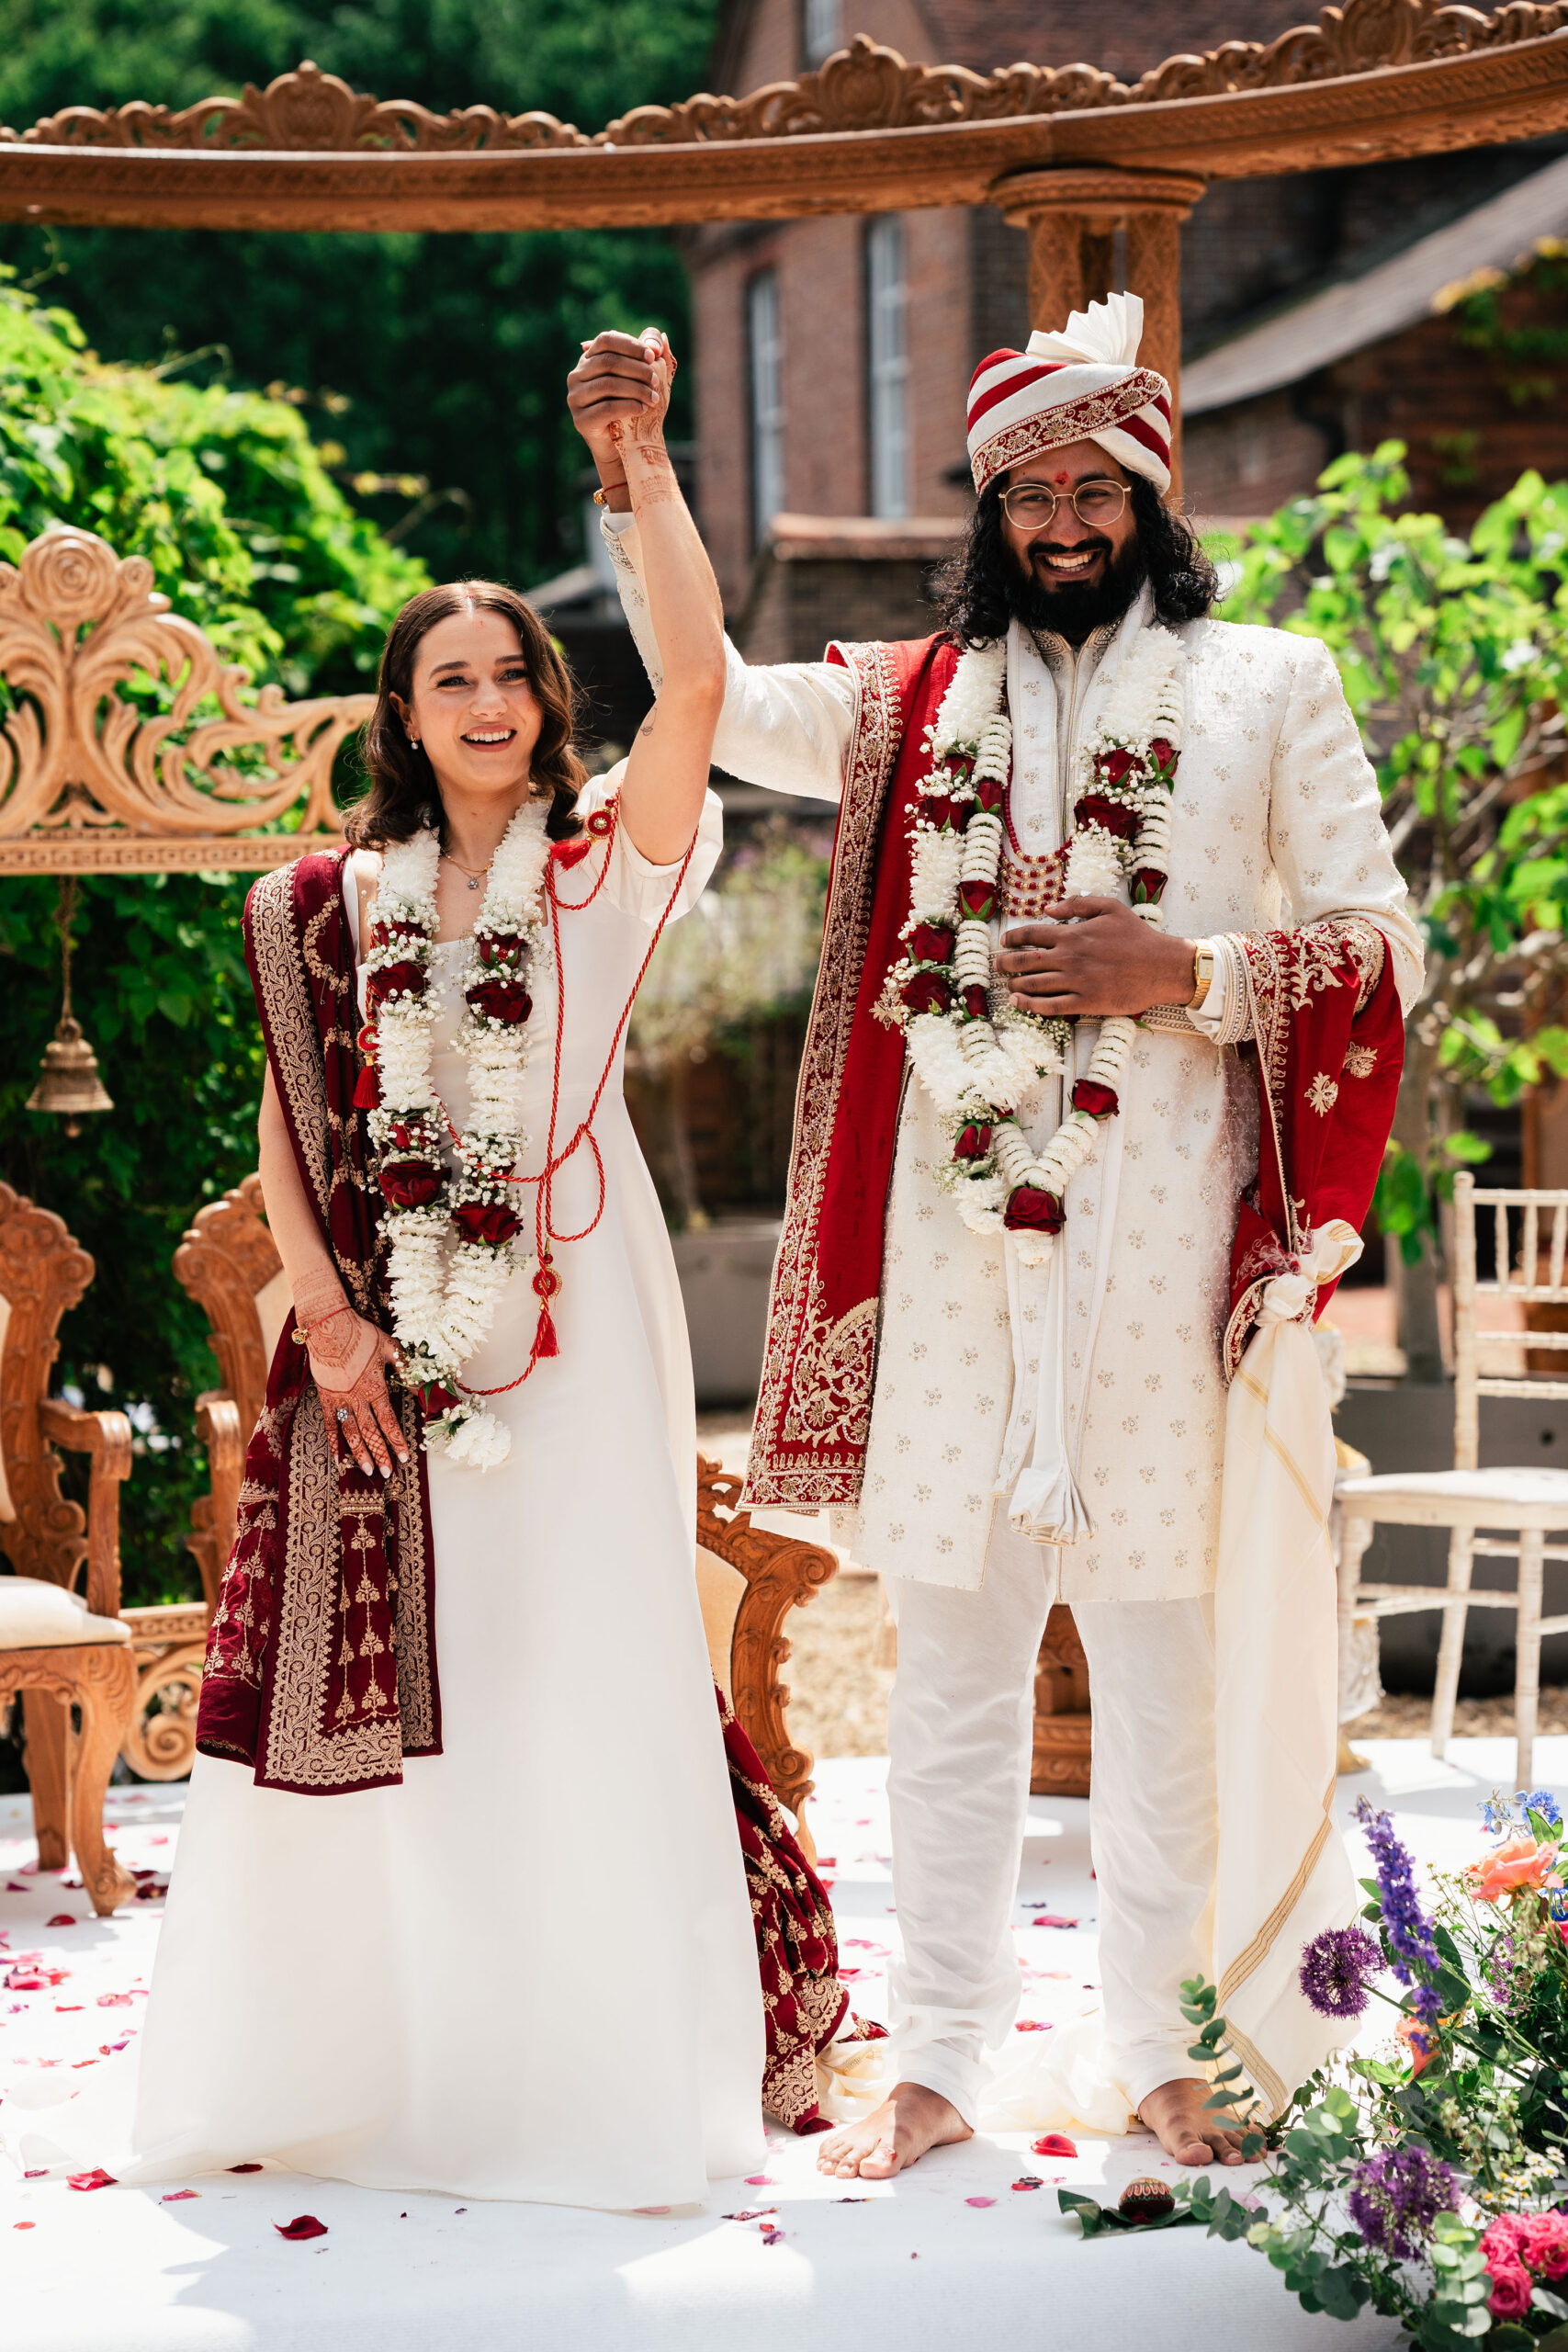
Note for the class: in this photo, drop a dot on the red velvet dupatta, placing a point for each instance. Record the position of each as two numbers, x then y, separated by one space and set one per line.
1329 1039
321 1662
813 1406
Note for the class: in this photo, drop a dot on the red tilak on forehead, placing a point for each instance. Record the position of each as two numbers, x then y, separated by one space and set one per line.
1061 477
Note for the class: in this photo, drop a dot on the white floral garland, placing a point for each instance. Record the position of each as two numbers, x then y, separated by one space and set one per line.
980 1059
444 1295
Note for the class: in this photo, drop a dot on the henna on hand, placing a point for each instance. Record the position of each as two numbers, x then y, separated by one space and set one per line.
370 1425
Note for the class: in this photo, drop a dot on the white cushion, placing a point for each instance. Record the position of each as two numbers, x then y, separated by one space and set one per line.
37 1615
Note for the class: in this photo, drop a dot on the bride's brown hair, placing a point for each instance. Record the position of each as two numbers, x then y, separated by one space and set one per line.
403 794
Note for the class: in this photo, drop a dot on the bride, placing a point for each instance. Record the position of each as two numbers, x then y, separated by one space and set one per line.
476 1917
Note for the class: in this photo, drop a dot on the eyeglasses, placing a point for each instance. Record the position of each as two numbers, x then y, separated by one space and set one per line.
1033 505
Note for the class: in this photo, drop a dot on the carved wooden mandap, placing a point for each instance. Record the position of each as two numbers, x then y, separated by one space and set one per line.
222 777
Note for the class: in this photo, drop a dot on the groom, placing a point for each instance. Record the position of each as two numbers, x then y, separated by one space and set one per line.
994 1439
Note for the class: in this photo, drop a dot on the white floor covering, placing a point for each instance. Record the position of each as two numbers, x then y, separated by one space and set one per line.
952 2254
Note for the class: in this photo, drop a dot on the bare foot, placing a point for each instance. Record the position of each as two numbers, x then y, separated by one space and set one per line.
1174 2113
910 2120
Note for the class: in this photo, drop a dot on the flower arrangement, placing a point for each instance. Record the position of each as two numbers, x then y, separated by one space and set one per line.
1434 2187
979 1058
452 1235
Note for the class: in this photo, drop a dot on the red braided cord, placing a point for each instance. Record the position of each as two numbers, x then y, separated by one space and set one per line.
544 1229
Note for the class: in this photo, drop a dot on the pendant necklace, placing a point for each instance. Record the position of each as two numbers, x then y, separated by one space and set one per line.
474 877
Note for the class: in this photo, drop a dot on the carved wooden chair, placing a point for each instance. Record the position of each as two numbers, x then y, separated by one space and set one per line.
61 1649
748 1580
229 1266
1061 1711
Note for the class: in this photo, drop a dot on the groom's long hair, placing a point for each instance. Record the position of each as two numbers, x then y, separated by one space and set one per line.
978 589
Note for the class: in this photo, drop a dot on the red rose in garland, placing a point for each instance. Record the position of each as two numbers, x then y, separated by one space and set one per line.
930 942
927 992
1030 1210
501 999
1116 766
499 947
990 793
1147 887
383 933
411 1183
394 979
974 1143
977 899
490 1221
1118 817
977 1001
1163 757
1099 1102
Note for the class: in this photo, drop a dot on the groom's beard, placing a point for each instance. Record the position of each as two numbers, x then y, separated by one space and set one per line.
1072 611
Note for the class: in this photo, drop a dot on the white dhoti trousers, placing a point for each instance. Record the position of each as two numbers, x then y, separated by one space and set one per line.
960 1740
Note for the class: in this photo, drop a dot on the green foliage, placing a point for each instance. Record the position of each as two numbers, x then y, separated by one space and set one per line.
223 491
230 501
436 363
1454 658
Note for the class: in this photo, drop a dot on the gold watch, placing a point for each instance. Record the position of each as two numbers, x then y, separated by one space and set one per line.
1202 974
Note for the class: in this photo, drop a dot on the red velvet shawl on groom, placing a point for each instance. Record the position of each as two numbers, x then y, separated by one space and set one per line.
321 1662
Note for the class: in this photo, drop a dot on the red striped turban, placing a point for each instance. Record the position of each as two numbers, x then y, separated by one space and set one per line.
1082 385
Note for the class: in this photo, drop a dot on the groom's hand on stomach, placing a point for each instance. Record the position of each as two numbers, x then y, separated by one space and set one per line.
1096 957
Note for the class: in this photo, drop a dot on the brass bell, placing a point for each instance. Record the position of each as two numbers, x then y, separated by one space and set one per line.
69 1086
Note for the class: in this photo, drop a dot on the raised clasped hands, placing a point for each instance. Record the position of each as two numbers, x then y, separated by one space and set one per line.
1095 958
621 384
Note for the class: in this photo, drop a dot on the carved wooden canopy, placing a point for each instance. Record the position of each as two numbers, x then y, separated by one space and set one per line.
866 133
90 783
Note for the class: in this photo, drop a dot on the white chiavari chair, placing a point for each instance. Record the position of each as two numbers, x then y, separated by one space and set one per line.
1518 1507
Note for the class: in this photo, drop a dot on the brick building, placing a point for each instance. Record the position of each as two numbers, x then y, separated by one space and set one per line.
832 355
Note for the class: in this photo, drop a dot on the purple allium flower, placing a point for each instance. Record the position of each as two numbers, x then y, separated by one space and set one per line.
1506 1982
1396 2197
1334 1969
1409 1929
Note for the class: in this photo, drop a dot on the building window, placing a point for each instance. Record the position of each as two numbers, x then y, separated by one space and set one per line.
822 28
767 401
886 342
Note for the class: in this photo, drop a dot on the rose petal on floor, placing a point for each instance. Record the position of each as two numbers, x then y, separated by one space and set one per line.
303 2225
96 2178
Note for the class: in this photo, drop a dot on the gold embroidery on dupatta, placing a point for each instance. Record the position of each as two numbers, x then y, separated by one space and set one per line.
283 986
303 1751
829 1401
770 1478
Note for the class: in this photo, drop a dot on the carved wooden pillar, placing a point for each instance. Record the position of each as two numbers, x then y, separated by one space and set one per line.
1071 213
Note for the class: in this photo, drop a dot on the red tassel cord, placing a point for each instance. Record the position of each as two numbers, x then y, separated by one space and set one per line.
546 1282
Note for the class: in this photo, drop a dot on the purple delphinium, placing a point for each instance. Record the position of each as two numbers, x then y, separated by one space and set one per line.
1395 2198
1334 1969
1409 1929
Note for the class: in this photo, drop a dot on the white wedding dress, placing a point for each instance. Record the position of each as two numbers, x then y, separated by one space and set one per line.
530 1971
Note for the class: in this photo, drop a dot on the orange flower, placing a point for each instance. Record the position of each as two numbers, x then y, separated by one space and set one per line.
1422 2043
1519 1863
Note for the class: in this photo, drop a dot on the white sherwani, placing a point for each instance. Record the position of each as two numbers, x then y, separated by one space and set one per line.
1276 821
